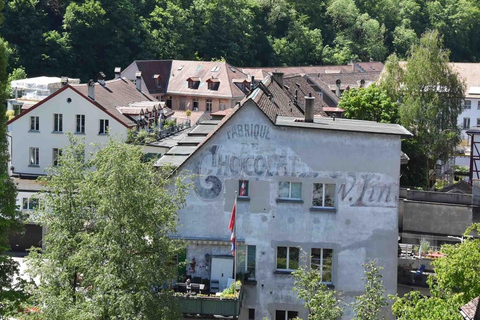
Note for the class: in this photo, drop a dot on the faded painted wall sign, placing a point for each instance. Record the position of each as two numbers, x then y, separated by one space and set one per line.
360 190
249 130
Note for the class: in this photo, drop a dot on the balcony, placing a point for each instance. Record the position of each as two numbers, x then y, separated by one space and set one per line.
193 306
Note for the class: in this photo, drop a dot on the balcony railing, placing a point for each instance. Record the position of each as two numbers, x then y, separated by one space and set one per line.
210 305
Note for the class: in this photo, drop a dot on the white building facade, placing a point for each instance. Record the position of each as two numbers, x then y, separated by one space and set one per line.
39 134
321 194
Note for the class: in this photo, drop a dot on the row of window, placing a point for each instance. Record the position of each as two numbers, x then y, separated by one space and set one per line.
466 123
29 203
323 193
34 159
279 314
468 104
58 124
287 259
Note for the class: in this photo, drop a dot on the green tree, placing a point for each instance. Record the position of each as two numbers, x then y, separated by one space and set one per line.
370 103
322 303
16 74
455 282
430 95
369 305
109 254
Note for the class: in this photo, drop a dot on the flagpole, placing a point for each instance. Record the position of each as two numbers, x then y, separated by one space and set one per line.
235 233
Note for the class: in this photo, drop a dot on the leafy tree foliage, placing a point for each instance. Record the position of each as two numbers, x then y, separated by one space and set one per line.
370 103
103 261
455 282
9 215
322 303
430 95
369 305
79 38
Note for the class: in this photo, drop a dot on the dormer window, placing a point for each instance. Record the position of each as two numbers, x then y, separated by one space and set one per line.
193 82
242 84
157 78
213 83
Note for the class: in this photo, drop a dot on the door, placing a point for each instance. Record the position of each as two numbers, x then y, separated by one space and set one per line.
222 270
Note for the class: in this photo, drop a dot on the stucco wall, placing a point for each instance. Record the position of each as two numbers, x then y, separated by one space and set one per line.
364 167
45 139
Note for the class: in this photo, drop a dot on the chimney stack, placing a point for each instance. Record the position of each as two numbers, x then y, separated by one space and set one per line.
64 81
252 83
362 83
101 78
91 89
278 77
118 70
309 108
337 91
138 80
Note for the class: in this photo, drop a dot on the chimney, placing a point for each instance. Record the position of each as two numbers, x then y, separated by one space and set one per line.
117 71
138 80
252 83
101 78
353 65
91 89
309 108
362 83
64 81
337 91
278 77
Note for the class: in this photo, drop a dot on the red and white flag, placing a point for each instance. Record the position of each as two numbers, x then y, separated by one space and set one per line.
231 226
243 189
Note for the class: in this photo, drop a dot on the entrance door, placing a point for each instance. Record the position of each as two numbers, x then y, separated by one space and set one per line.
222 269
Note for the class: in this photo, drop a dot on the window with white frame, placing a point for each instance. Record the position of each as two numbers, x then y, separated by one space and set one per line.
323 195
468 104
466 123
35 123
209 105
288 258
34 156
322 259
56 152
285 314
103 126
478 122
58 122
29 203
80 123
243 188
290 190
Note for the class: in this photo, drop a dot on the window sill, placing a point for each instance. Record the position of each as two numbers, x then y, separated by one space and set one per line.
323 209
57 132
34 165
34 131
286 200
103 134
243 198
250 282
80 133
287 272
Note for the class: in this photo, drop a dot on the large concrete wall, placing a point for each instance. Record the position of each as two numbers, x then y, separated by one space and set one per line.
364 167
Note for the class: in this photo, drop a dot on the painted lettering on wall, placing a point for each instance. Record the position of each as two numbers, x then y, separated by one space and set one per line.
249 130
359 190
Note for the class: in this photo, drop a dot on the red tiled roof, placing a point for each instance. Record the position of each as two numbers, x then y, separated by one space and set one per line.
116 93
297 83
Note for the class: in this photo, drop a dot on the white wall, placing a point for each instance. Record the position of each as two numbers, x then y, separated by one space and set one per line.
365 169
473 113
46 140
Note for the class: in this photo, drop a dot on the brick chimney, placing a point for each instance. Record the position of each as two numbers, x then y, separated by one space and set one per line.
278 77
117 71
138 80
309 108
91 89
337 91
